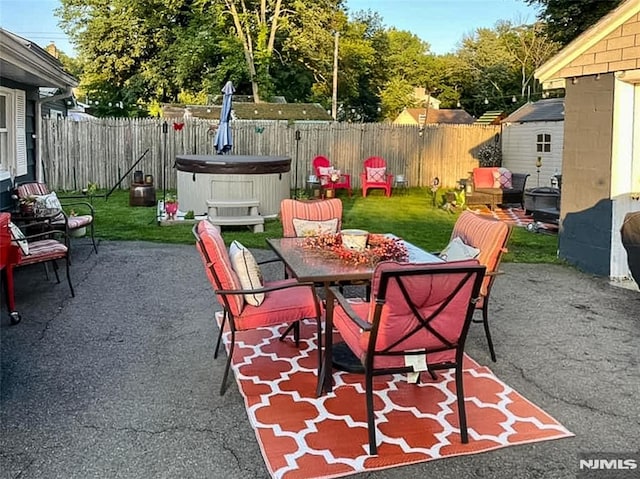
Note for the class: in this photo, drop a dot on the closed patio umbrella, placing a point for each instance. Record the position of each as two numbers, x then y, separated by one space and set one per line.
223 141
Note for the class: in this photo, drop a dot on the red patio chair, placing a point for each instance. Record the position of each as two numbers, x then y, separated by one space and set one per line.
375 175
421 311
490 236
41 248
320 165
312 211
285 301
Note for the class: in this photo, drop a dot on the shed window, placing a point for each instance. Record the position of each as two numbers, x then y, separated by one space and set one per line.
543 143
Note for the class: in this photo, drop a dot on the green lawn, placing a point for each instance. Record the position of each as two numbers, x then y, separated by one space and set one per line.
411 216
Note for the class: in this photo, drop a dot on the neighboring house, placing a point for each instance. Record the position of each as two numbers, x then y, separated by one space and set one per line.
424 98
299 112
491 117
420 116
600 71
57 108
24 68
535 130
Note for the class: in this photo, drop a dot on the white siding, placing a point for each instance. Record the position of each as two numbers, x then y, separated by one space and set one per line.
519 150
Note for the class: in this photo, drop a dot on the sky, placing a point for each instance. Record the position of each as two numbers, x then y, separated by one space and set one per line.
441 23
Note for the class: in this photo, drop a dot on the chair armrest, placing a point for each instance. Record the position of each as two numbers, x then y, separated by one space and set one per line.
493 273
83 203
264 290
335 294
271 260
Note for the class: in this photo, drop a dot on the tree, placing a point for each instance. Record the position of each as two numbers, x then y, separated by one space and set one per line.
566 19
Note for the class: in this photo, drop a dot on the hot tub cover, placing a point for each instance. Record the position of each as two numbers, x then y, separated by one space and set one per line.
233 164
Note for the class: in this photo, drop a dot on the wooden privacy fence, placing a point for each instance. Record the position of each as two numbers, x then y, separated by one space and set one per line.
75 153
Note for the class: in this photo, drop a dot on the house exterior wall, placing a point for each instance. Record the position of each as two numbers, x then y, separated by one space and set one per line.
586 207
6 203
519 150
620 50
405 118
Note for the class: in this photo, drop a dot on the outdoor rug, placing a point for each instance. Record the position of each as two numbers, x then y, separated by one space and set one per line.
303 437
515 217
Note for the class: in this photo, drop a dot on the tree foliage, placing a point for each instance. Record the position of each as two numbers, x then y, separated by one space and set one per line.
564 20
143 52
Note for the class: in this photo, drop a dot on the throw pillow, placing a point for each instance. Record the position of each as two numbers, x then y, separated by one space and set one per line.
46 205
18 236
324 170
248 271
377 175
502 178
457 250
314 228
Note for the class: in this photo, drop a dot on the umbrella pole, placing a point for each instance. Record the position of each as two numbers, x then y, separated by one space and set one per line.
295 190
165 129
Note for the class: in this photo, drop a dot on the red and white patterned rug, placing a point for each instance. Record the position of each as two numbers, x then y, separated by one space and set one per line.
303 437
515 217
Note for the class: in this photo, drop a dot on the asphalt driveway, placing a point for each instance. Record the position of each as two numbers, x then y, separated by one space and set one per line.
120 381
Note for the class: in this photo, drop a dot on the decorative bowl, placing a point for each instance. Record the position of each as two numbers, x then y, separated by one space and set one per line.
354 239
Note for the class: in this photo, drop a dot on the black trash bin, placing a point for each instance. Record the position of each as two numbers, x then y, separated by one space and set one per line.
630 233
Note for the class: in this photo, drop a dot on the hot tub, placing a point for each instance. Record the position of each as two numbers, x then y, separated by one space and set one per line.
233 177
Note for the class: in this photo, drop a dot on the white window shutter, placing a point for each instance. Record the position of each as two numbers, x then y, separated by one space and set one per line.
21 133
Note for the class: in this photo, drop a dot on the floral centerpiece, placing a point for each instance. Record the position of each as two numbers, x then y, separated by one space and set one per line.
378 248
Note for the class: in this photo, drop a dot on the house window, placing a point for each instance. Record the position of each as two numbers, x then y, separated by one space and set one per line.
543 143
13 152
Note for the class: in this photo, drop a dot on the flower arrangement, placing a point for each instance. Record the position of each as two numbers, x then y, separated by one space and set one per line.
379 248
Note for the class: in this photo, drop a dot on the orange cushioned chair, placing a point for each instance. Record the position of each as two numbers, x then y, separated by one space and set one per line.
420 311
321 165
285 301
375 175
70 223
490 236
312 211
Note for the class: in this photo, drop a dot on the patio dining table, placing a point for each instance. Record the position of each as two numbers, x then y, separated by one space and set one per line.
311 265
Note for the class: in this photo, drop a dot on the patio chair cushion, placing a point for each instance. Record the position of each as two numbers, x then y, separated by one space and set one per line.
502 178
278 307
75 222
18 237
457 250
314 228
221 263
248 271
376 175
43 250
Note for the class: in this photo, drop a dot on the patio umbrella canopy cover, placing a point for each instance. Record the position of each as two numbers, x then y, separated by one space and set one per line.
223 141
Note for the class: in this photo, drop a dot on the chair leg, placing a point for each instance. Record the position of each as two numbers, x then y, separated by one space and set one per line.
371 423
55 270
223 386
93 238
68 264
462 414
219 340
485 322
295 327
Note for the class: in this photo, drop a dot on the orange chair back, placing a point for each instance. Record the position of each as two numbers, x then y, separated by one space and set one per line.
489 235
308 210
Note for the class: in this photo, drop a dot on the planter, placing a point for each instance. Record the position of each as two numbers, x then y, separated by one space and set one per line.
630 233
78 233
